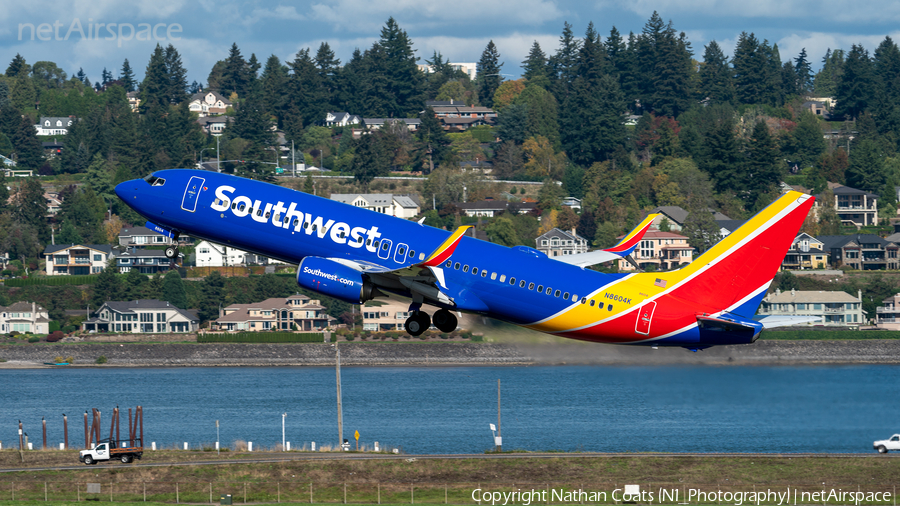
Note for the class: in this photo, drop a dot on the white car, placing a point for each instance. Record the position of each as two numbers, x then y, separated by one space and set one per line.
885 445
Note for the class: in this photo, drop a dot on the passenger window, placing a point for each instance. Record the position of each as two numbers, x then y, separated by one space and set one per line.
512 281
297 222
522 284
267 215
592 302
555 294
234 205
259 212
314 227
484 273
503 278
385 245
306 225
574 297
288 218
566 296
421 256
373 244
531 286
465 268
402 250
549 290
493 276
360 240
242 207
413 253
368 242
474 270
449 264
456 266
583 300
342 234
540 288
609 308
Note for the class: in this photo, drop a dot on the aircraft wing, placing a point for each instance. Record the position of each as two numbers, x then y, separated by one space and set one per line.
770 322
620 250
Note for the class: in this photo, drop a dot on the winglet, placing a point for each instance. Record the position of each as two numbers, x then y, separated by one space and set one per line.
630 241
443 252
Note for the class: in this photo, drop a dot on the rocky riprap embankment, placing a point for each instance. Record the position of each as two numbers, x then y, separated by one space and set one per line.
380 354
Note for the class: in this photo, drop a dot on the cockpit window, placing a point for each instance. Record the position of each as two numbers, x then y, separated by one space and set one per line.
155 181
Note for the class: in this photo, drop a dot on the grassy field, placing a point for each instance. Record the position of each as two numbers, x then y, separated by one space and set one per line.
408 479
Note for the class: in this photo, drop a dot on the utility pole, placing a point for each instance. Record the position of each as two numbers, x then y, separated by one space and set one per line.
340 413
499 431
293 160
218 167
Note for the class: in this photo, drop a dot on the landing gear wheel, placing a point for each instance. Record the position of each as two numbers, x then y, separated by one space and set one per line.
126 459
445 321
171 252
88 460
417 323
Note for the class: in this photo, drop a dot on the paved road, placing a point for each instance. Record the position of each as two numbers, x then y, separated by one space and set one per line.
411 458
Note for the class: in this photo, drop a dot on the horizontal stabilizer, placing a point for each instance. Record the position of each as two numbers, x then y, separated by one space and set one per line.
620 250
770 322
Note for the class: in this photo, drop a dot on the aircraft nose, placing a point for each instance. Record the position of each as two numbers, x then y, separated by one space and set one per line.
125 190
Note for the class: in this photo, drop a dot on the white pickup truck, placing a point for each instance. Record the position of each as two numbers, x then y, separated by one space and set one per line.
887 444
112 450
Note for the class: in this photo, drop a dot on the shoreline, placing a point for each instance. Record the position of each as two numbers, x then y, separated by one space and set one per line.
775 352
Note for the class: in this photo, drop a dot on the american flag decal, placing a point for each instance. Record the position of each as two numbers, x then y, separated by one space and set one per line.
660 283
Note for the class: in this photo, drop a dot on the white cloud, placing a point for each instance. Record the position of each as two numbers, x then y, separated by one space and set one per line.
366 15
812 10
817 43
282 12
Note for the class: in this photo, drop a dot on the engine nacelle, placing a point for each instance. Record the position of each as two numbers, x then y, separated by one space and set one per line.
335 280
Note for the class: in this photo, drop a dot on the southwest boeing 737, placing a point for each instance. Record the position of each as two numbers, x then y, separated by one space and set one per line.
355 255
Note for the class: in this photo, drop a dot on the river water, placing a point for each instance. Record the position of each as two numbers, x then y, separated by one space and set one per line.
449 409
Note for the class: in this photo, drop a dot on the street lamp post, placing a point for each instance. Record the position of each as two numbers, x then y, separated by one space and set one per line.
283 415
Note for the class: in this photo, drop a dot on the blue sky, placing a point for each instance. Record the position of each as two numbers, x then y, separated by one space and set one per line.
203 30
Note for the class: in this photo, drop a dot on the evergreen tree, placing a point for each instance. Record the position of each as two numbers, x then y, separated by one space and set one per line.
29 154
433 138
563 63
105 77
4 94
808 141
107 287
18 66
827 78
866 169
253 67
591 123
133 285
535 65
804 72
127 76
177 76
762 166
68 234
328 66
592 55
213 293
29 208
886 101
22 93
272 85
404 83
671 72
156 87
306 90
4 193
790 82
749 68
700 227
615 53
235 76
173 290
371 159
513 123
489 77
80 75
855 89
716 83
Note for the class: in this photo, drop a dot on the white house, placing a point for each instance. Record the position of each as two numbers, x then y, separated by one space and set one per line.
341 119
141 316
833 308
54 125
558 242
24 317
76 259
208 103
210 254
401 206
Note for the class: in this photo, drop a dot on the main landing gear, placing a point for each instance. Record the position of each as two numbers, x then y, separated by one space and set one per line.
419 321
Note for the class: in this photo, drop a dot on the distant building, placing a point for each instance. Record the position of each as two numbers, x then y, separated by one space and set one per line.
491 208
142 236
214 125
76 259
854 207
806 252
558 242
341 119
676 216
887 315
210 254
145 261
208 103
469 68
134 100
54 125
833 308
145 316
24 317
401 206
378 123
861 251
661 251
297 312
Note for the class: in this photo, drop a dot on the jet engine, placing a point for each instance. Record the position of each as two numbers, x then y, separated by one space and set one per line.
335 280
